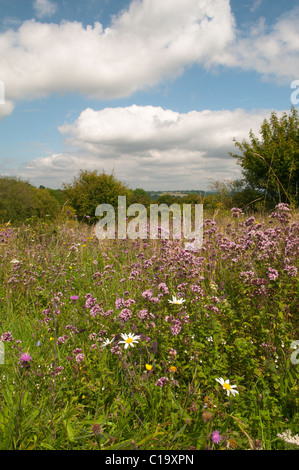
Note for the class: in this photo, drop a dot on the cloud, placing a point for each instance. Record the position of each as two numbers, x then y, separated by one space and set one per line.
150 147
272 51
144 45
147 43
44 8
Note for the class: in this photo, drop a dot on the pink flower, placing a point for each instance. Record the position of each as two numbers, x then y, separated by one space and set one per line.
7 336
79 358
162 381
24 360
216 438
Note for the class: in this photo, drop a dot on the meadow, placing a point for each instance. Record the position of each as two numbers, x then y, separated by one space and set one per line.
139 344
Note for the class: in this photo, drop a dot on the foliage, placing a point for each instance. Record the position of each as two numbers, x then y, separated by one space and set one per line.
270 163
91 189
19 201
140 196
57 193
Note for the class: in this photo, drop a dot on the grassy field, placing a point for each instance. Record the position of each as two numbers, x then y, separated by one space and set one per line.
98 356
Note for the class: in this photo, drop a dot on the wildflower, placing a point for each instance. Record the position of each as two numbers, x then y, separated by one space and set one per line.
107 342
74 298
287 437
62 339
216 438
14 261
148 367
175 327
172 369
176 301
96 429
129 339
125 314
79 358
272 274
7 336
162 381
236 212
172 352
207 416
226 385
24 360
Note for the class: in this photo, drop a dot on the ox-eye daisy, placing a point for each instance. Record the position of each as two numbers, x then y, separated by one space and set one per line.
129 339
176 301
226 385
107 342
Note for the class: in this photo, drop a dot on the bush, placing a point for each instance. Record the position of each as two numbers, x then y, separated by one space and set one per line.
19 201
90 189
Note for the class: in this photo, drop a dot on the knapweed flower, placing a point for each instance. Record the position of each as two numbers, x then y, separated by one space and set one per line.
74 298
176 301
216 438
107 342
129 339
24 360
226 385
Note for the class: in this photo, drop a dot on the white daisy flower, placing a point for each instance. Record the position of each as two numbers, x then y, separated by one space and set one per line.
129 339
176 301
107 342
226 385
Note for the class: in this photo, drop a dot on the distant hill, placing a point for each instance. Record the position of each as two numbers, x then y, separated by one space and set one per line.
176 193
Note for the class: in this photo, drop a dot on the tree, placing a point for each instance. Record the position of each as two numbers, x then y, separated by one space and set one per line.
90 189
140 196
270 164
19 200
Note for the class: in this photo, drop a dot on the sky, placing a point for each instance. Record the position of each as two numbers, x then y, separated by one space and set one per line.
154 91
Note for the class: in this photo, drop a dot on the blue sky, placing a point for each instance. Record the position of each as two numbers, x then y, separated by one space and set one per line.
154 91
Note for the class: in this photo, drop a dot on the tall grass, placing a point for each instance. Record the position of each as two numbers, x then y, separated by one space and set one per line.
63 293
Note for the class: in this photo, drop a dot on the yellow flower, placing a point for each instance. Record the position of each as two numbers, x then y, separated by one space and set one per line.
172 369
148 366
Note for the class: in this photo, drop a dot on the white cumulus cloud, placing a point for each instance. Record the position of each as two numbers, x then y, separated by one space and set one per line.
145 44
150 147
150 41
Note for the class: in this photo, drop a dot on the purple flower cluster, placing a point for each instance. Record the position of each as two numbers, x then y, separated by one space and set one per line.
162 381
7 336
